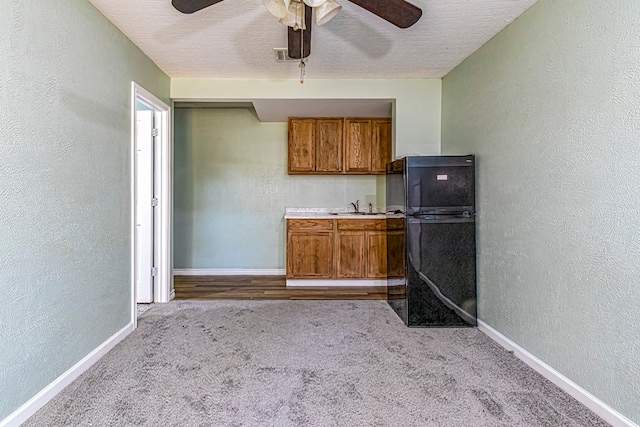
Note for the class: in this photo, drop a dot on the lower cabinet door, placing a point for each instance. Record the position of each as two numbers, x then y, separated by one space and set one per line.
396 258
310 255
350 255
376 254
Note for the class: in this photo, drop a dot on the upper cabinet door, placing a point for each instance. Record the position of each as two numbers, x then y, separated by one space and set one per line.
357 140
380 144
301 145
329 145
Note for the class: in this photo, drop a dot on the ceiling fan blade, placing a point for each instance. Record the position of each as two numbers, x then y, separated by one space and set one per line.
293 37
190 6
398 12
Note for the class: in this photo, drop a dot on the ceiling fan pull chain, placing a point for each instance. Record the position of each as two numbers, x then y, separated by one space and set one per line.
302 64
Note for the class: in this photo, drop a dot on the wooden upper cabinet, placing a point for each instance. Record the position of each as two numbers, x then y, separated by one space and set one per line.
380 144
339 146
357 145
302 145
328 145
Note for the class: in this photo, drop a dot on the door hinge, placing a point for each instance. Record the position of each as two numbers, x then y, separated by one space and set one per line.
154 201
154 132
154 271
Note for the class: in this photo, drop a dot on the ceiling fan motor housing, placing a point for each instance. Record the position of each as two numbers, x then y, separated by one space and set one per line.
397 12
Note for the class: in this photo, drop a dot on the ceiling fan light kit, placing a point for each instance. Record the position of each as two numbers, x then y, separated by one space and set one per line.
278 8
326 11
291 12
313 3
296 15
400 13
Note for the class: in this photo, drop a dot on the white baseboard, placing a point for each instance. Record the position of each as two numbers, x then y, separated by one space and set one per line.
228 272
21 414
597 406
300 283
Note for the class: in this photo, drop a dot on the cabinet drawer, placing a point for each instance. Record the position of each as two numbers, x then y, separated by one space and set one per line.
310 224
362 224
395 224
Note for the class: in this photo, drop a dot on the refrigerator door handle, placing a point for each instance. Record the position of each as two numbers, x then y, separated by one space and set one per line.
436 215
432 219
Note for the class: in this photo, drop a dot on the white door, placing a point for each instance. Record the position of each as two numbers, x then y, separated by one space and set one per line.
144 206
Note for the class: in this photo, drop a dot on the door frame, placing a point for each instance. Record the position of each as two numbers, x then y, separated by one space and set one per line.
163 191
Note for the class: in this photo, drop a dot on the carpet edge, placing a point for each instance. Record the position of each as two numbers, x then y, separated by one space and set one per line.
29 408
598 407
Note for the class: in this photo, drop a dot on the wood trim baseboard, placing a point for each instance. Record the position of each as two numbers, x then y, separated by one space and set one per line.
597 406
21 414
300 283
228 272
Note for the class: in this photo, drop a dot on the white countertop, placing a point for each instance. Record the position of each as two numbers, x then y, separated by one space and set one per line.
329 213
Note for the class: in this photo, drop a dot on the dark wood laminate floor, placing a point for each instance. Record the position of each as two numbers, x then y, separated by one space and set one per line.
265 288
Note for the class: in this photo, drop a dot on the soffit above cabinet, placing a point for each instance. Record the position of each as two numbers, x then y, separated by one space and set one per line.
279 110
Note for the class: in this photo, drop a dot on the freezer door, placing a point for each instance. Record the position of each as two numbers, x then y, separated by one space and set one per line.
443 182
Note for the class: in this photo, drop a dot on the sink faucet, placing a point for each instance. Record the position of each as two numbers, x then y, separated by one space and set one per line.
356 206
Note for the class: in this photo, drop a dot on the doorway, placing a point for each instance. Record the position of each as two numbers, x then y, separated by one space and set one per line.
150 200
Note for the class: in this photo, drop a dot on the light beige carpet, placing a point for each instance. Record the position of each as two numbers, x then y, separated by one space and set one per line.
306 363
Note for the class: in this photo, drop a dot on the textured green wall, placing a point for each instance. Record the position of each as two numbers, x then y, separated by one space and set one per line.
231 189
65 87
416 106
551 106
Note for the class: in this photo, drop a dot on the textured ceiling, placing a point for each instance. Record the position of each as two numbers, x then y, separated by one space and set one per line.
235 38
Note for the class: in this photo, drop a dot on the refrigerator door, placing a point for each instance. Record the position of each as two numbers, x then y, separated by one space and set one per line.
443 183
441 277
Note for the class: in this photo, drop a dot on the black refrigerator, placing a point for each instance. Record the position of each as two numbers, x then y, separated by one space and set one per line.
434 199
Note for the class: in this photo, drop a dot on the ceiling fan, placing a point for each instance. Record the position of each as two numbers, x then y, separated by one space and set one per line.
296 14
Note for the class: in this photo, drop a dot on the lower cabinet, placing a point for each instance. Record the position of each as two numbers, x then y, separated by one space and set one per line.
395 245
350 248
376 254
310 249
361 254
338 249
